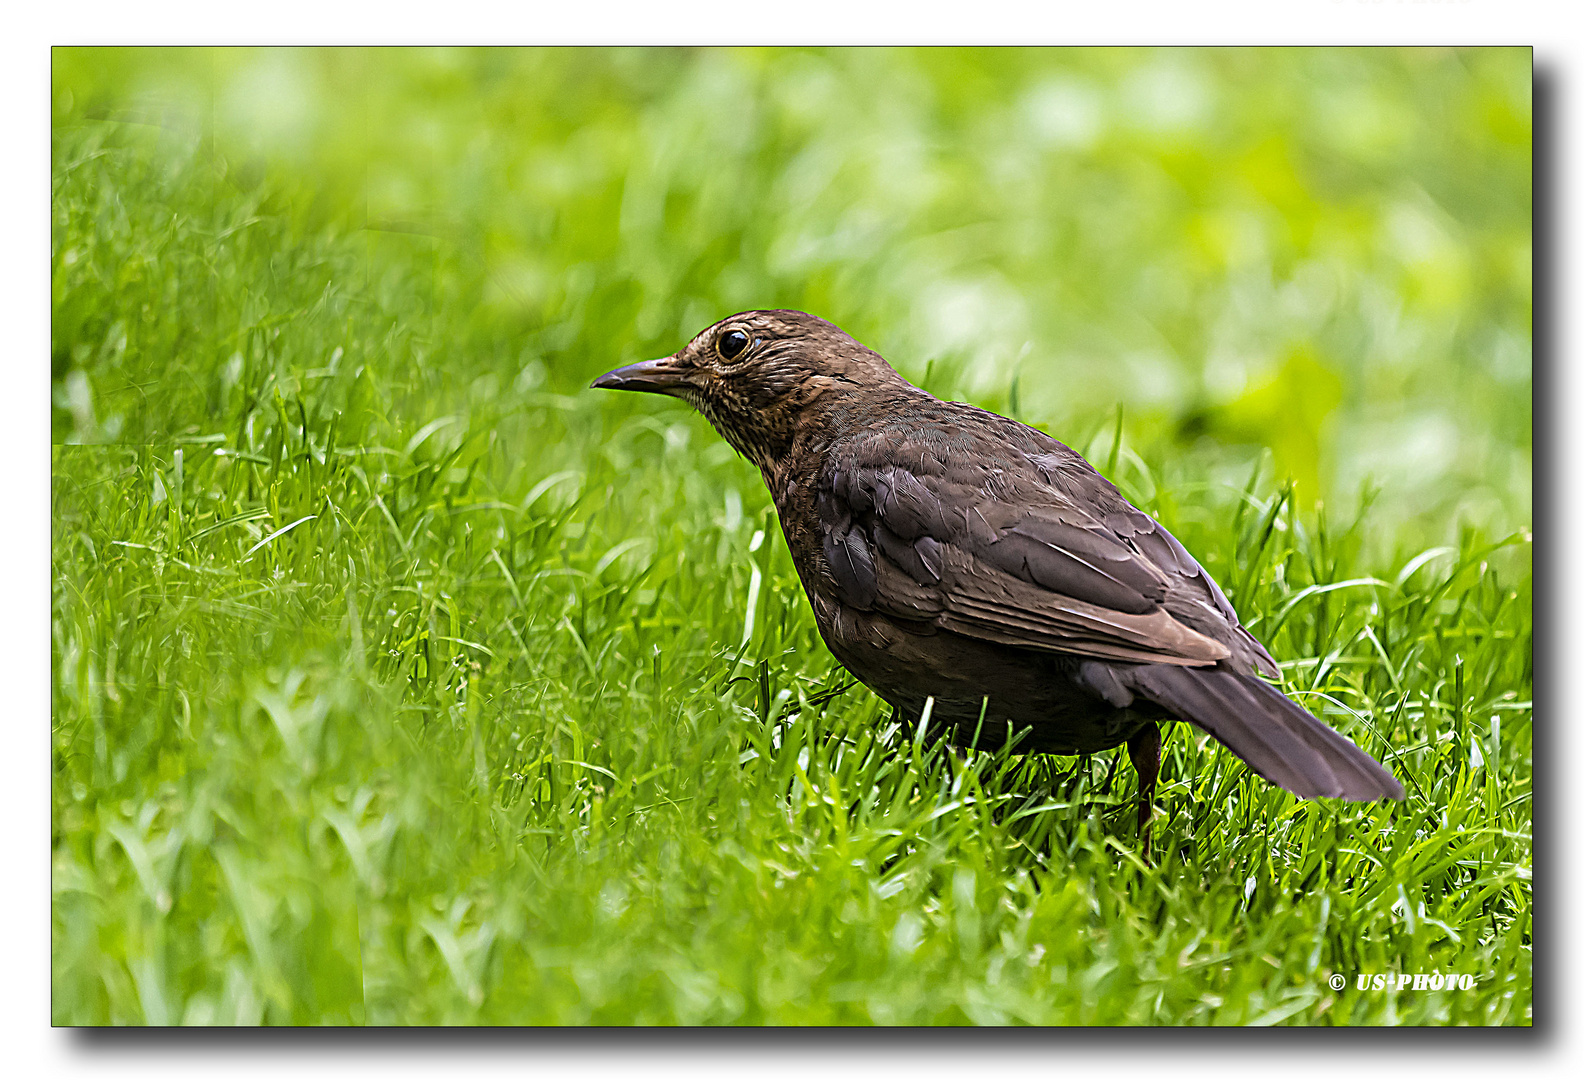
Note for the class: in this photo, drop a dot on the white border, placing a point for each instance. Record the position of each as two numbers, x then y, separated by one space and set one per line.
31 1048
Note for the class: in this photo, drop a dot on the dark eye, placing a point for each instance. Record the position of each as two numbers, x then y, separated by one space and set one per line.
731 344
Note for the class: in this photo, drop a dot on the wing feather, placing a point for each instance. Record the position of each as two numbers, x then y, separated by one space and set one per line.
1042 573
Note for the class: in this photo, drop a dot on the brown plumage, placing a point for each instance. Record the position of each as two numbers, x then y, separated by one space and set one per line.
954 554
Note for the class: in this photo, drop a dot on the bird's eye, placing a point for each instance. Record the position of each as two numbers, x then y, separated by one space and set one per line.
731 344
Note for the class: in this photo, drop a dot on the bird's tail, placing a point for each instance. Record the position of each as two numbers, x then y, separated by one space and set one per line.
1275 736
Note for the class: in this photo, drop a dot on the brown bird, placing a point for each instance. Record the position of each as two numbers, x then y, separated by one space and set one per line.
953 554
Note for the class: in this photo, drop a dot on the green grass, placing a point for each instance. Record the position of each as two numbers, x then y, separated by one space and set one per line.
396 679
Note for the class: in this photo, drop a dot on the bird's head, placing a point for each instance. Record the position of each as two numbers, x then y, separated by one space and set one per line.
760 376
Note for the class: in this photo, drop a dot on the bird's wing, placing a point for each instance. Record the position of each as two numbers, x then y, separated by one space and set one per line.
1035 550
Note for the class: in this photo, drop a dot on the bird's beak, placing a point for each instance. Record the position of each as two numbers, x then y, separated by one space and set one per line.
662 376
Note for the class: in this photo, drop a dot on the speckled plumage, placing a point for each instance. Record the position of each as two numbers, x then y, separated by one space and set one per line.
954 554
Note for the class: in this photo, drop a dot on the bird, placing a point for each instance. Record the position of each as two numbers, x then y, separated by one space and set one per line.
958 559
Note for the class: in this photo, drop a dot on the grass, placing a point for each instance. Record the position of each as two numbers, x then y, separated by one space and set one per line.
396 680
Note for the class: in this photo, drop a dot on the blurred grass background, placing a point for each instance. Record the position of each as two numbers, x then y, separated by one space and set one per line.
1325 252
394 675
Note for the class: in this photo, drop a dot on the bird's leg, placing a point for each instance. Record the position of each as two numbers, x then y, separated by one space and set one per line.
1144 752
1105 788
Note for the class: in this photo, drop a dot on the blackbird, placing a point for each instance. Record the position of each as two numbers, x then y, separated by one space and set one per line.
954 554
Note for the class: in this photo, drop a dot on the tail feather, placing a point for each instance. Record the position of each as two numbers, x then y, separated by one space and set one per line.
1274 735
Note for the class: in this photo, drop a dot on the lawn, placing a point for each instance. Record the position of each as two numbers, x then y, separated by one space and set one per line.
399 679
